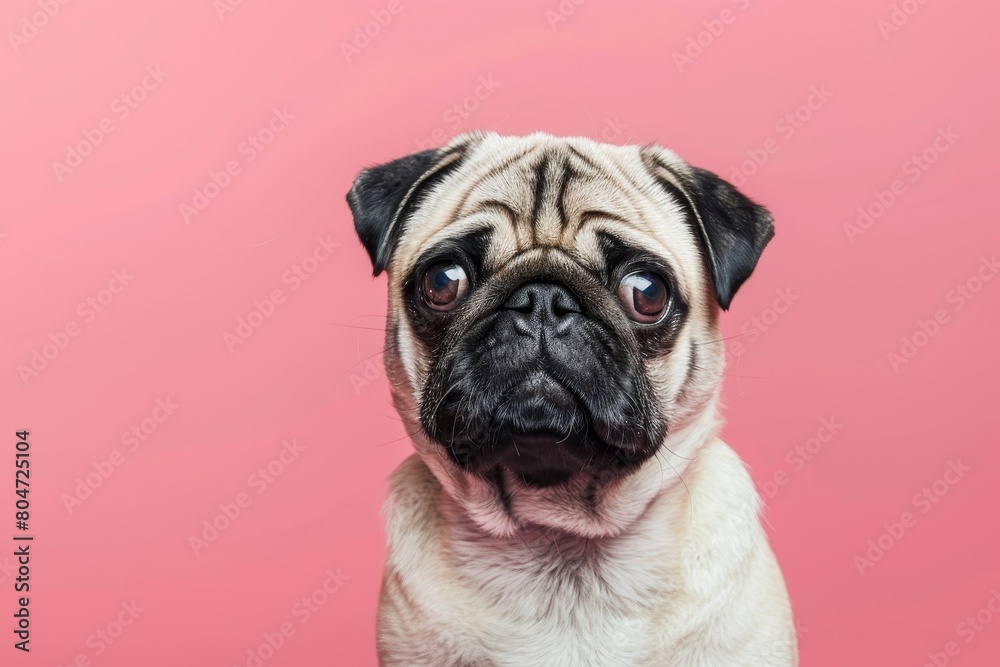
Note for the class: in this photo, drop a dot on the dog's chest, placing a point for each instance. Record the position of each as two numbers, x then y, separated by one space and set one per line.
569 603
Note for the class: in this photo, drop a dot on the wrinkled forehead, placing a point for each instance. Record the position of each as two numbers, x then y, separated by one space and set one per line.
569 194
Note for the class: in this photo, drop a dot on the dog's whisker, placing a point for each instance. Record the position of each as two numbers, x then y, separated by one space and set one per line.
679 476
719 340
408 435
361 361
660 463
352 326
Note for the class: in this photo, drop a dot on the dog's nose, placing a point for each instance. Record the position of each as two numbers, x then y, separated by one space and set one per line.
540 305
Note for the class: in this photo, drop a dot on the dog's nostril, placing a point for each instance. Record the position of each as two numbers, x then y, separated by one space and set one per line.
564 304
547 302
521 301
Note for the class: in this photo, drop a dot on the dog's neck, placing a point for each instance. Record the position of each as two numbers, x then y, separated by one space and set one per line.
648 559
614 571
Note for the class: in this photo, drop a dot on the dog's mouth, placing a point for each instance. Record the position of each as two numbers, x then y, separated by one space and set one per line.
539 430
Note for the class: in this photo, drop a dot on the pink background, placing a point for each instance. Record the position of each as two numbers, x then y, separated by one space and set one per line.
312 370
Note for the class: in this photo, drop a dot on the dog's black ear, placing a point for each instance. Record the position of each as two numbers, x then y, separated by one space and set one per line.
383 196
732 228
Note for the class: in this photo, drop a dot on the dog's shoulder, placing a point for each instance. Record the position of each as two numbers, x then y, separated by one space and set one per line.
729 571
409 508
720 517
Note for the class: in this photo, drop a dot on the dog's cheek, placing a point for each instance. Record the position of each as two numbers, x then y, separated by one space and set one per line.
407 359
662 375
675 374
705 364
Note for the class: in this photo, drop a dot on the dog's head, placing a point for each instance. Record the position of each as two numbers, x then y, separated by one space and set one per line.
553 337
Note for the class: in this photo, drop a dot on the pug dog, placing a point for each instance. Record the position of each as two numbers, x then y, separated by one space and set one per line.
553 349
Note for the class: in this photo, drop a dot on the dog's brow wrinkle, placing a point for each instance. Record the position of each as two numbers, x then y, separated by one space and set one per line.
489 205
589 215
491 172
585 159
567 174
608 172
536 207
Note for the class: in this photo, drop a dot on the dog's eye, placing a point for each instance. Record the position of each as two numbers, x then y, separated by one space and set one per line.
644 296
443 285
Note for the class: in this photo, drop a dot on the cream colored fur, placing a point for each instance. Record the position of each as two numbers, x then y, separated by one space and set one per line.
670 566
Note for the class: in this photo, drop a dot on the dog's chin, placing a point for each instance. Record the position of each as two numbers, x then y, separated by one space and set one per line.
537 456
543 458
